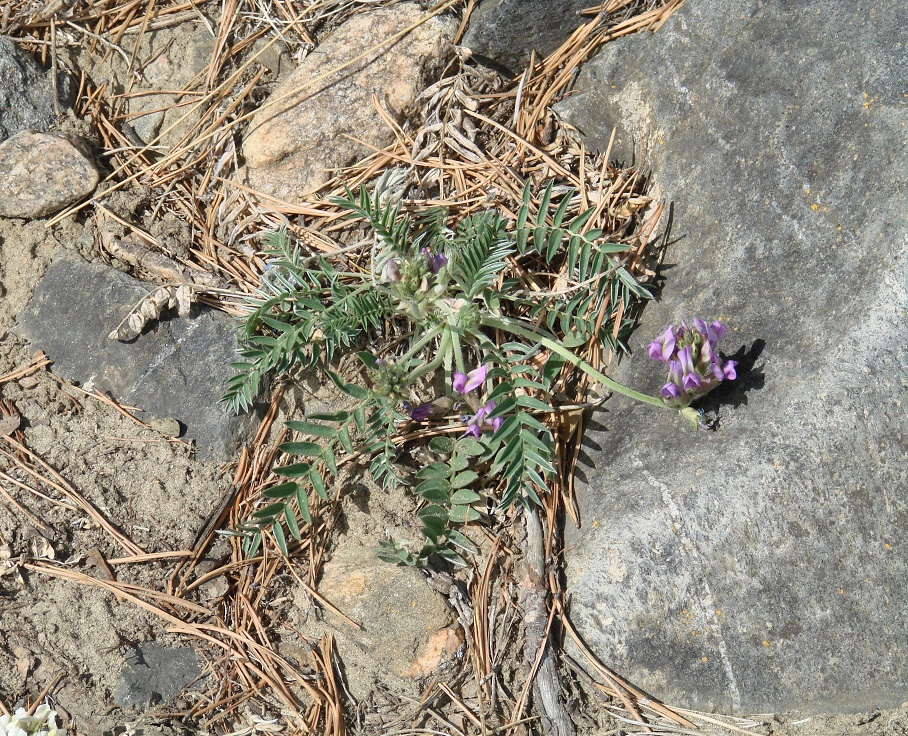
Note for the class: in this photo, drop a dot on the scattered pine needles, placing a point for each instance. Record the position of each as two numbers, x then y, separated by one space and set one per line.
477 141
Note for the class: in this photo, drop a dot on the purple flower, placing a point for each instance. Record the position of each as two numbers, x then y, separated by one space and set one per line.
437 262
419 413
670 392
663 347
713 333
694 365
463 383
477 422
392 271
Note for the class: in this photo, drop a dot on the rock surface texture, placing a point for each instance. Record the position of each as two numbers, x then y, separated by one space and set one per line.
176 369
407 629
301 132
761 567
26 92
508 31
154 674
41 173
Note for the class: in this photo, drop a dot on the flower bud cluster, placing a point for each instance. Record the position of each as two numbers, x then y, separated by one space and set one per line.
391 378
694 365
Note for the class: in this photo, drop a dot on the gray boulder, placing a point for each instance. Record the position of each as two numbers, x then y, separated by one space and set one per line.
26 92
508 31
761 567
176 370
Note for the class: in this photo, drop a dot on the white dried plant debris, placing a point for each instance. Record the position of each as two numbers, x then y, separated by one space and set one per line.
152 306
41 549
42 723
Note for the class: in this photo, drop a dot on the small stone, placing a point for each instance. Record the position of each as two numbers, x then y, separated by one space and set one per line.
440 649
168 425
41 173
507 32
152 675
28 382
294 142
180 55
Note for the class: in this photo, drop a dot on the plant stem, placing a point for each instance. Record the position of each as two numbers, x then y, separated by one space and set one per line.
421 343
515 328
443 348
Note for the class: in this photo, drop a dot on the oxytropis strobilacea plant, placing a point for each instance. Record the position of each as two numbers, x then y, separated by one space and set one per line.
466 331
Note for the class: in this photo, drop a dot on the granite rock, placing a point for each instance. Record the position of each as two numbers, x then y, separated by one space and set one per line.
763 566
303 132
26 92
507 32
407 629
180 55
176 369
41 173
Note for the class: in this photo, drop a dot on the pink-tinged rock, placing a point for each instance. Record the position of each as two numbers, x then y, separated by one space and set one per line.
407 628
300 133
41 173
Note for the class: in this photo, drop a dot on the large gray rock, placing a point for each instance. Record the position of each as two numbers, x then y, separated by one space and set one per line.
177 368
26 92
507 32
762 566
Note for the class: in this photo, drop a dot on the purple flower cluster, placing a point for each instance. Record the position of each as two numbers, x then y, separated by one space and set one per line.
464 384
694 365
396 269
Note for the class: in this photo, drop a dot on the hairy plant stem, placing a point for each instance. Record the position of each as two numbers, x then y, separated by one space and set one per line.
516 328
443 348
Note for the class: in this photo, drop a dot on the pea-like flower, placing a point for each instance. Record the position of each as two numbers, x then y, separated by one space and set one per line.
436 262
465 384
478 421
694 365
392 271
